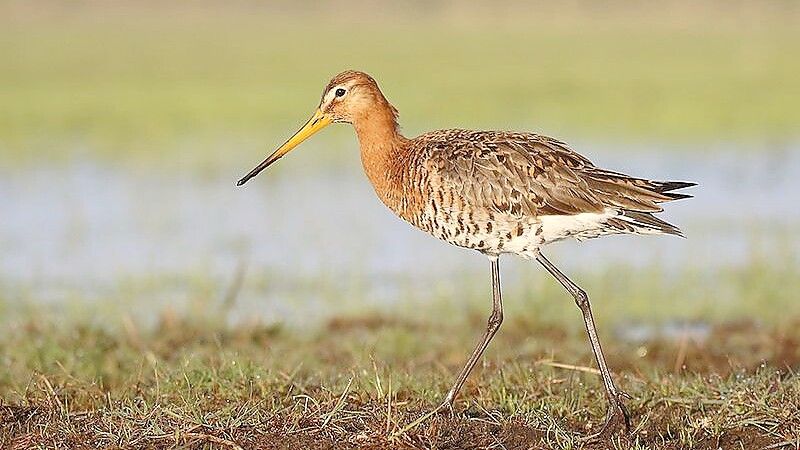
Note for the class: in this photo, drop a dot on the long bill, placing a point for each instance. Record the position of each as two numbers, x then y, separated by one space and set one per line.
317 122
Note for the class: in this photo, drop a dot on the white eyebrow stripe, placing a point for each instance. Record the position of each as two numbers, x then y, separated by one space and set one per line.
332 93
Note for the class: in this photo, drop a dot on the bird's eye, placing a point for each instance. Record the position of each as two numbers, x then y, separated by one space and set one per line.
340 92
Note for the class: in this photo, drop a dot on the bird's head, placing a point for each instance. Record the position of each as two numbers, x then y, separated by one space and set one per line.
349 97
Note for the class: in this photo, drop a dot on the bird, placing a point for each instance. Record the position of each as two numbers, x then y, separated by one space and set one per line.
495 192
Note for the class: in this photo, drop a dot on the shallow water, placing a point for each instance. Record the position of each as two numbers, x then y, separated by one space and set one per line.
85 225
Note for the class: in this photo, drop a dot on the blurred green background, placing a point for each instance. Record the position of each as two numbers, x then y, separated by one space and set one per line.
143 78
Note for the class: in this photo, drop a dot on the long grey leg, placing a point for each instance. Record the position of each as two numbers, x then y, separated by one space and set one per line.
493 324
582 300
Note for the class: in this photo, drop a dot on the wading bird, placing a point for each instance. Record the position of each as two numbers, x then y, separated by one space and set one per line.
496 192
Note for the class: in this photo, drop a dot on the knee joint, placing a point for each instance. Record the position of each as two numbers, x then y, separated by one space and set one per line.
581 298
495 320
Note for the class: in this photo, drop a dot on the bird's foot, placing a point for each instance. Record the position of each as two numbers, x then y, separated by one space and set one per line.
616 415
446 407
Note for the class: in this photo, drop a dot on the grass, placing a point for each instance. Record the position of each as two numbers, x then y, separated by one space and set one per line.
193 379
199 81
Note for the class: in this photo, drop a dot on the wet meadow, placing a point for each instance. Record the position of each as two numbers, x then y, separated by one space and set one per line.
147 302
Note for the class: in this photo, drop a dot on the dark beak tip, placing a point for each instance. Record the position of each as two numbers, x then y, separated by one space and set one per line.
241 182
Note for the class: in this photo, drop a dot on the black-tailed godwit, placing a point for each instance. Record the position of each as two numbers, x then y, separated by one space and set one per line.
496 192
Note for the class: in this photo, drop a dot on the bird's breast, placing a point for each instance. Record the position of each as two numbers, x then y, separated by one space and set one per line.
419 197
410 186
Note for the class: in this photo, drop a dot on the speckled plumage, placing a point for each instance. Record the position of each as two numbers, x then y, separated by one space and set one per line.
495 191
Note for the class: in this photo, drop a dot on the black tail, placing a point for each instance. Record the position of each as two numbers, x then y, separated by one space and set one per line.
666 188
647 220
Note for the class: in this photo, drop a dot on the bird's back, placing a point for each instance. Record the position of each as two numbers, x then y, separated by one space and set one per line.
508 192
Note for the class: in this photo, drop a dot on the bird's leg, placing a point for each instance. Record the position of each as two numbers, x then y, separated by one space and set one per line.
616 409
493 324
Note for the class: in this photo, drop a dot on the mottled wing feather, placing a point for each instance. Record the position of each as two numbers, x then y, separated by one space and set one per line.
524 174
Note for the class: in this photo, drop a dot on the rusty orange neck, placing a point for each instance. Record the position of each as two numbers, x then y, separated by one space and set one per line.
383 151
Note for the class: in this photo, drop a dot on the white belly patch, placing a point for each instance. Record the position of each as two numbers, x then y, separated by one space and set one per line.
580 226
